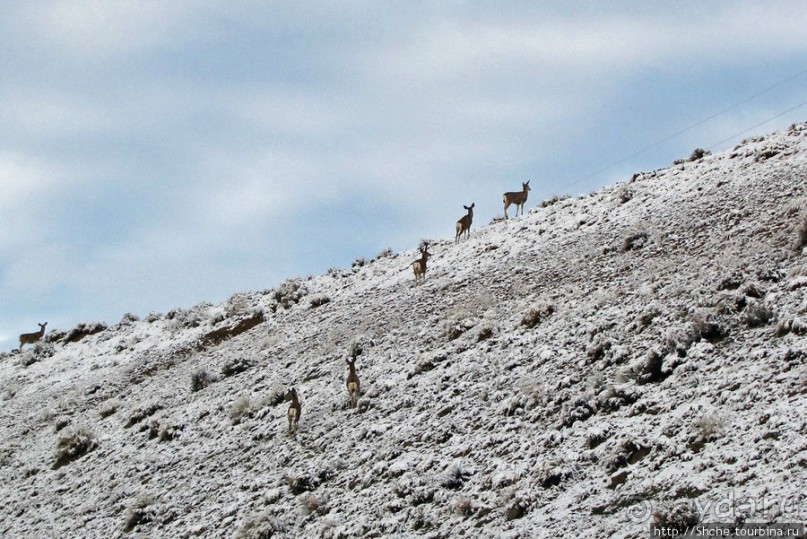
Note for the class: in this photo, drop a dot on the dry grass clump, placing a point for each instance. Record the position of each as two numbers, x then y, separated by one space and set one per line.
200 379
677 518
237 366
537 315
73 445
240 408
801 235
141 511
260 526
758 314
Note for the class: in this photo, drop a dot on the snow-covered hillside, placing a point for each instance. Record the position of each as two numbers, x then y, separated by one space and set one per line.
597 364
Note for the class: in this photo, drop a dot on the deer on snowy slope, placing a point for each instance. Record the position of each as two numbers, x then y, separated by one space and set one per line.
294 411
419 265
28 338
516 197
353 386
464 224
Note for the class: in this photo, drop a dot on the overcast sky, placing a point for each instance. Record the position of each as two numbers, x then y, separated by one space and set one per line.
157 154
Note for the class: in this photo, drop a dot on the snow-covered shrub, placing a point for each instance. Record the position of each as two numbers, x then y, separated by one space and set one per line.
276 395
680 340
698 154
289 293
732 281
61 423
108 408
625 195
596 436
454 476
578 410
801 236
754 290
425 364
298 484
651 369
758 314
516 508
710 327
486 331
318 300
360 262
625 453
337 272
40 351
456 328
83 330
635 241
236 306
614 397
142 413
260 526
167 431
537 315
73 445
9 391
650 313
358 345
141 511
772 275
677 518
597 350
554 199
237 366
464 506
710 427
200 379
186 319
791 325
730 303
129 319
43 350
238 409
314 505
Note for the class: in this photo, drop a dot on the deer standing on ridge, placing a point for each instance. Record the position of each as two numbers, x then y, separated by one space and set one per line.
353 386
464 224
27 338
419 265
294 411
516 197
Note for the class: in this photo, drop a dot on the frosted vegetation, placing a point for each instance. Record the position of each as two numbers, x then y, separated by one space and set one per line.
601 363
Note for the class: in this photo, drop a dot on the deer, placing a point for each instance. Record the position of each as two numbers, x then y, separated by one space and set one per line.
419 265
29 338
353 385
516 197
464 224
294 411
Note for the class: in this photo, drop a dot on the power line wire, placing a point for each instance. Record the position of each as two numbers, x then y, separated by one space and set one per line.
757 125
699 123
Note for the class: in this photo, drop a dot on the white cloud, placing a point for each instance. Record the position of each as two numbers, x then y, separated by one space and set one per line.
417 112
582 46
21 177
100 29
298 112
52 115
